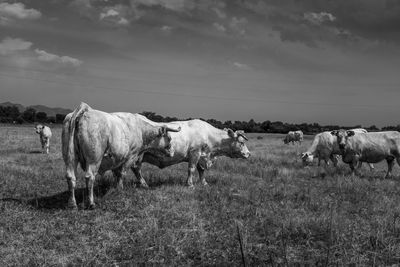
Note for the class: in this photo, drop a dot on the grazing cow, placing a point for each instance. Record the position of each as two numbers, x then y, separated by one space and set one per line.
325 147
45 135
369 147
293 136
101 141
198 143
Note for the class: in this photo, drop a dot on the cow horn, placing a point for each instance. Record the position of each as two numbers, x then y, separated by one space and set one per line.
169 129
241 133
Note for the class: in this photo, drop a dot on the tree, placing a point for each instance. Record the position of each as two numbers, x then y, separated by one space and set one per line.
29 115
60 118
41 116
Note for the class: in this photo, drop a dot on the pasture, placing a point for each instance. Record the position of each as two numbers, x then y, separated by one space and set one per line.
285 214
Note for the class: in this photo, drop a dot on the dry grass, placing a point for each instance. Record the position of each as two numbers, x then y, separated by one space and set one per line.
285 214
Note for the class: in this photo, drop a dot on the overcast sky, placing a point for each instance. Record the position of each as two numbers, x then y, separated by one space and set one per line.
331 62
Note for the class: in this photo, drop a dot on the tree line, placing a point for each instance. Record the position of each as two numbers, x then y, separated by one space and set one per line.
268 126
11 114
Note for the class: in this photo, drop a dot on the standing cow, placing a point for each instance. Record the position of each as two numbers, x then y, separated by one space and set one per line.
101 141
369 147
199 144
293 136
45 135
325 147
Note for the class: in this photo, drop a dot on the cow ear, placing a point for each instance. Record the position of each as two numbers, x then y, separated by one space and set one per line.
241 133
162 131
231 133
350 133
334 132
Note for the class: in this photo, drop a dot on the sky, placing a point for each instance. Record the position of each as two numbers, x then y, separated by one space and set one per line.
330 62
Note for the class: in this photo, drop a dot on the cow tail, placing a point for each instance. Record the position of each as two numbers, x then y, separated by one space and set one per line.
78 112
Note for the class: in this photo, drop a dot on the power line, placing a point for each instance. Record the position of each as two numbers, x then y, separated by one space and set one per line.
262 100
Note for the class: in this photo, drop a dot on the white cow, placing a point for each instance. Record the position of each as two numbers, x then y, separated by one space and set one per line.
102 141
45 135
325 147
370 147
198 143
293 136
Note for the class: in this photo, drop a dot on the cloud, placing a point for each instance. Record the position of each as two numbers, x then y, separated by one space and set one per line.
219 27
64 60
175 5
17 11
109 13
112 16
10 45
221 14
238 25
319 18
241 66
166 29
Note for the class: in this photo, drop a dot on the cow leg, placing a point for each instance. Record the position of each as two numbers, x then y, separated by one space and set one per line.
326 162
71 181
200 169
89 177
138 173
371 166
118 174
359 165
390 163
352 167
43 144
193 160
47 145
334 160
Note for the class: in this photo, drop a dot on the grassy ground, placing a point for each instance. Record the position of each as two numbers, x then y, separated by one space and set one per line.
286 214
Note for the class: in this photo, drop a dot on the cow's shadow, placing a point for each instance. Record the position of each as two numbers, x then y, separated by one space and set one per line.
35 152
60 200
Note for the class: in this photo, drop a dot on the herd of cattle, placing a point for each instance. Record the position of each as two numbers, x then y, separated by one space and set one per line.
100 141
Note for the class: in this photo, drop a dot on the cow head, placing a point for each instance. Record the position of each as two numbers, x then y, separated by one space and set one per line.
285 140
307 158
39 128
237 147
162 141
342 137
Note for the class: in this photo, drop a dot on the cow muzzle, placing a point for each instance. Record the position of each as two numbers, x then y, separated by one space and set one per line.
170 151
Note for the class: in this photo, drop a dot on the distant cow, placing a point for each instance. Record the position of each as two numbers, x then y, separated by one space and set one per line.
45 135
370 147
101 141
325 147
293 136
199 144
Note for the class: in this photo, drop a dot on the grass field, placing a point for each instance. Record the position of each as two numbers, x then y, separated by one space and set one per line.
285 214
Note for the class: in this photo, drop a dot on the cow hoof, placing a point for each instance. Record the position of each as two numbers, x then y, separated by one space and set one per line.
72 206
190 186
204 183
144 186
92 206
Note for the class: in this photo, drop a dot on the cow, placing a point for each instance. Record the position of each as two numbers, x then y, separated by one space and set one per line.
101 141
45 135
293 136
369 147
199 144
324 147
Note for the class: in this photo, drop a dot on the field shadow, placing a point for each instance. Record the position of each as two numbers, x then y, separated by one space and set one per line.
60 200
35 152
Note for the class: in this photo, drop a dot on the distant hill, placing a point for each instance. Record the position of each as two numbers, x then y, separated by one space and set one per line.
39 108
50 111
9 104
